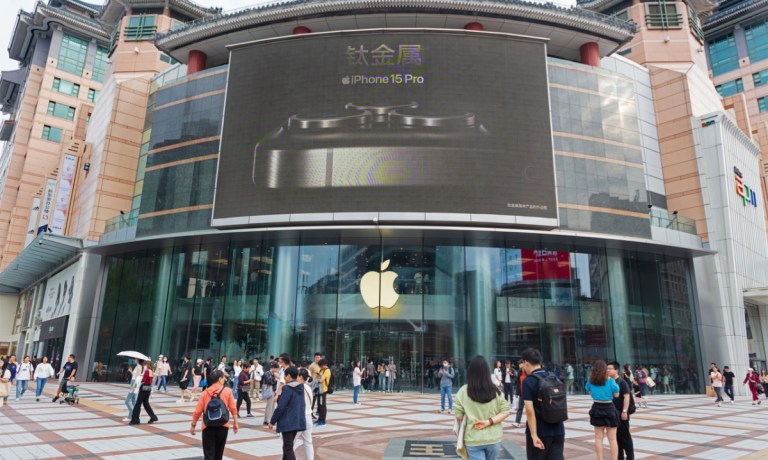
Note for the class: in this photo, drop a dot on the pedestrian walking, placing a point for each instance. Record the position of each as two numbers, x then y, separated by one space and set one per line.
133 390
716 380
498 378
520 406
322 397
237 367
163 370
382 373
752 381
290 416
764 382
391 376
641 375
370 375
728 379
357 379
269 386
144 384
256 371
543 441
11 366
306 435
509 386
243 389
155 370
622 404
223 366
185 375
215 405
5 378
197 377
24 374
67 373
446 375
603 415
43 372
485 408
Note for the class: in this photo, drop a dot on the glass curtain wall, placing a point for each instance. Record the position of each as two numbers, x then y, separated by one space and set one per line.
434 297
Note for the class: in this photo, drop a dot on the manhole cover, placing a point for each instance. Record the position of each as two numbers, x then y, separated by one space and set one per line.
433 448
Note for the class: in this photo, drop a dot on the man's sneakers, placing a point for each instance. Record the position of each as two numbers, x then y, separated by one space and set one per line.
516 425
250 416
719 404
55 398
319 423
732 402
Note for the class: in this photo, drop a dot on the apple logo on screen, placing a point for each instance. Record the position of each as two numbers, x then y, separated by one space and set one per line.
378 288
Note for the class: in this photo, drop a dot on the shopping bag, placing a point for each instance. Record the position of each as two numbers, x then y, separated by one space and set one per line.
710 391
649 381
459 427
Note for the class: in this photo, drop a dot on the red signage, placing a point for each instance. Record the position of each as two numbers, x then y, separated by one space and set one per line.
542 265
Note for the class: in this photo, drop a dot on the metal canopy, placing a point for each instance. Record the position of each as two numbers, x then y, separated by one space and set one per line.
41 257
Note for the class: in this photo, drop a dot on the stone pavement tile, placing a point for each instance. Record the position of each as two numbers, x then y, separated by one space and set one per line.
189 452
426 417
705 429
78 424
720 453
678 436
24 452
128 444
372 422
751 444
656 446
17 439
264 448
369 411
109 432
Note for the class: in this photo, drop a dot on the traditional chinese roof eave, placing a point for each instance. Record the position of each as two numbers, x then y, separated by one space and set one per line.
113 9
574 18
597 5
738 13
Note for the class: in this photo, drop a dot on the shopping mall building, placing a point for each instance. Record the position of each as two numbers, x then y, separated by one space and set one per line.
393 180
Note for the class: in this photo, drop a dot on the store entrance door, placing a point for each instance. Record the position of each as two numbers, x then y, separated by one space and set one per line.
401 348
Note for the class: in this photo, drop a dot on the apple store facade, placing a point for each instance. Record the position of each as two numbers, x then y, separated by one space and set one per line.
445 294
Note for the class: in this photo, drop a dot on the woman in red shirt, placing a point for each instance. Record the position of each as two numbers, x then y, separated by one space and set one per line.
753 380
215 437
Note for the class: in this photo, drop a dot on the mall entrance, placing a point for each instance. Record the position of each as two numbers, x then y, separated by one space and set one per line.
404 349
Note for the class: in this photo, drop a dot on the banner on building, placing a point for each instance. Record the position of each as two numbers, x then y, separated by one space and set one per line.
63 194
61 292
47 206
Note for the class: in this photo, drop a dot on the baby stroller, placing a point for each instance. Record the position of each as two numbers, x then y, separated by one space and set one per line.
71 396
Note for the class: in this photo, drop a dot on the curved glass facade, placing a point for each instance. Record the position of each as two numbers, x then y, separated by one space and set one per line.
459 294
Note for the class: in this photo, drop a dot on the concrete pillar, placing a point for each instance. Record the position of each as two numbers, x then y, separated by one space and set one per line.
481 301
195 62
621 335
282 300
590 54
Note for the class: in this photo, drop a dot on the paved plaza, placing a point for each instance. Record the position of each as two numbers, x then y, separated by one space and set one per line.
684 426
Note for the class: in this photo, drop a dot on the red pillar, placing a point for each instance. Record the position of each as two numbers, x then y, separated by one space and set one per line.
195 62
298 30
590 54
474 26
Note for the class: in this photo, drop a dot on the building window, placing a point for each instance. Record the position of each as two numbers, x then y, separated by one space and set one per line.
66 87
140 28
663 16
757 41
762 104
730 88
52 134
100 64
760 78
62 111
695 25
168 59
623 15
723 55
92 95
72 55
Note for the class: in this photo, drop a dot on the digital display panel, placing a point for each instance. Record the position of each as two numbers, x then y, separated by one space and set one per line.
377 121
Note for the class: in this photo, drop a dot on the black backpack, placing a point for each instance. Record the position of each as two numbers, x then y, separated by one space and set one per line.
216 412
330 385
553 398
632 407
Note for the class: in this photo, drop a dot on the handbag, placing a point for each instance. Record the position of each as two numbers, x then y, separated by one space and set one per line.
459 428
3 389
710 391
146 388
649 381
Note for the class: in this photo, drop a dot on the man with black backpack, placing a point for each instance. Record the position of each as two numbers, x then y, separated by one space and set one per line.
546 409
625 405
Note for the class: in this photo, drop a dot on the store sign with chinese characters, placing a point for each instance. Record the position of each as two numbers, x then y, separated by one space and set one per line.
745 193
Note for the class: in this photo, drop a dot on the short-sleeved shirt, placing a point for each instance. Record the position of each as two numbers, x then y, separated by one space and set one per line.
12 367
623 390
603 392
530 392
69 369
327 374
729 376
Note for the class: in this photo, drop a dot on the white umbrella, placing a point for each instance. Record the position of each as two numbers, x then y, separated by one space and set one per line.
134 355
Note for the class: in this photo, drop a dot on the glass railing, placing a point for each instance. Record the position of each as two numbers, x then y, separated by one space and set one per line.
121 222
665 219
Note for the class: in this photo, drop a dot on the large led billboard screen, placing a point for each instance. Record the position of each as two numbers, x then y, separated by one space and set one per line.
432 122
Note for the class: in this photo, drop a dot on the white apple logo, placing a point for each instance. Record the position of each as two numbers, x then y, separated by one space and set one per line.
378 288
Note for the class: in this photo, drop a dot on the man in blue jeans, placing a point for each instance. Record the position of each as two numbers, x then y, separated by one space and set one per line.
446 386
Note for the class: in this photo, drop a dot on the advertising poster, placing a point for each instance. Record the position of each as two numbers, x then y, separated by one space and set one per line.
47 206
399 121
34 212
61 292
63 194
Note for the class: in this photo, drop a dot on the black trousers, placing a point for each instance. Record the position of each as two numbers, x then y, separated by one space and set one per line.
214 441
142 399
509 392
729 391
322 408
288 438
243 396
315 394
624 439
553 447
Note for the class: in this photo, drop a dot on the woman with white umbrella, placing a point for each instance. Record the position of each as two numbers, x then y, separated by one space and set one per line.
144 385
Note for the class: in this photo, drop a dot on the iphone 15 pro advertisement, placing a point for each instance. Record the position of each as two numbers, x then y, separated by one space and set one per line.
400 121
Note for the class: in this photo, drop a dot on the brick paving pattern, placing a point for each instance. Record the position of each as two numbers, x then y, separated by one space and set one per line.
683 426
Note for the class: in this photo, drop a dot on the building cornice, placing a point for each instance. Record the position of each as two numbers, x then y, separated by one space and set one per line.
586 21
113 9
735 14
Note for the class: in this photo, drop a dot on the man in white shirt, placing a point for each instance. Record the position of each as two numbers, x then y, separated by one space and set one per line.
257 371
223 366
23 375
